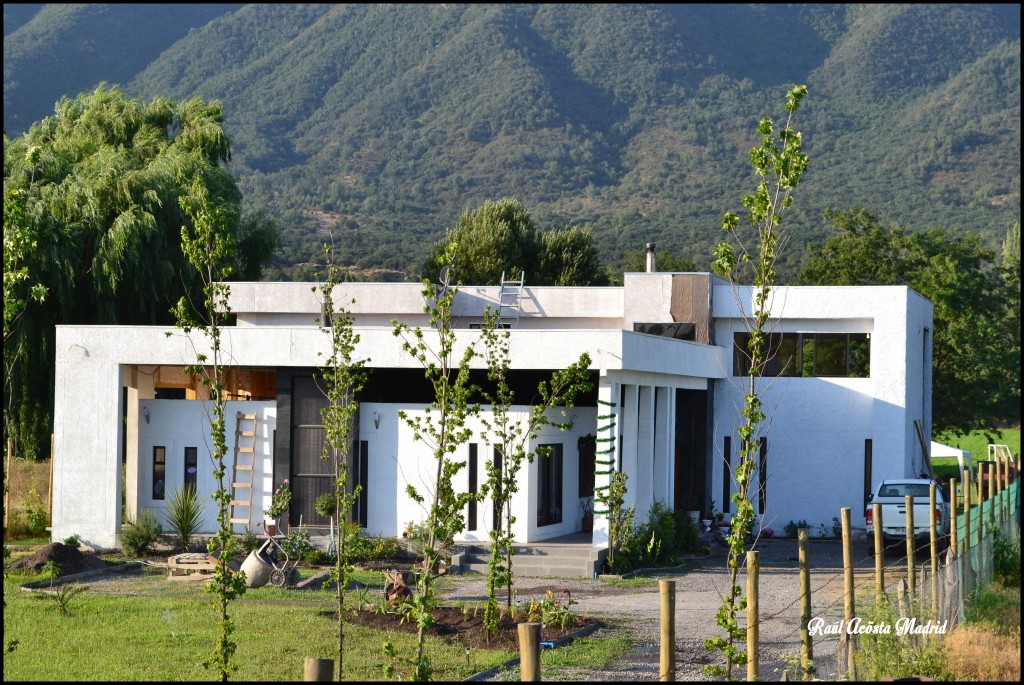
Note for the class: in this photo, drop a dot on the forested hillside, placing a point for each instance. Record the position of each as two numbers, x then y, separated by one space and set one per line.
381 124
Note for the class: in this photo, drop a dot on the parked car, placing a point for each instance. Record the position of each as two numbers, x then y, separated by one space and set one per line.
891 494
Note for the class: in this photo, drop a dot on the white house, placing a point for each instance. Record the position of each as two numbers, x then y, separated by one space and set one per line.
852 406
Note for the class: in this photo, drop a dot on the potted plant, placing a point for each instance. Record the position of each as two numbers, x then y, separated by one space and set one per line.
279 503
587 509
692 508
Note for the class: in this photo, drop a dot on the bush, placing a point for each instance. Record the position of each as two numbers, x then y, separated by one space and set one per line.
73 541
35 512
687 533
890 655
184 516
1006 552
297 544
138 537
247 541
791 528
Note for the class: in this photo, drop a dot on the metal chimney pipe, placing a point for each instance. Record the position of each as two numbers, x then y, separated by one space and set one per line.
650 258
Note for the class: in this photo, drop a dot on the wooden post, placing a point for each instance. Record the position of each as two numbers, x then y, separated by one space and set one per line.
933 538
529 652
952 516
848 605
879 555
966 553
753 660
7 492
318 670
806 645
911 552
667 671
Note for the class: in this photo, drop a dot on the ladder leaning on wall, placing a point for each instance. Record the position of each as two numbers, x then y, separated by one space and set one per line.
510 298
245 463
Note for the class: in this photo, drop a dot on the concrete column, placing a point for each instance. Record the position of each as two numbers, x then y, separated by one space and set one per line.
643 483
608 417
664 440
630 417
141 386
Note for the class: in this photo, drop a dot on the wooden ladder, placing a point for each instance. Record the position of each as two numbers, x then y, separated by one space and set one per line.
509 301
245 462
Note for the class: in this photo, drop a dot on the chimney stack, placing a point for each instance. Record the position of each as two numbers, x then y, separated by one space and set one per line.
650 258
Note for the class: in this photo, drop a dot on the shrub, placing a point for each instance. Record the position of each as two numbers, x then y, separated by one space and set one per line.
138 537
35 512
296 545
687 533
890 655
1006 552
247 541
73 541
791 528
184 516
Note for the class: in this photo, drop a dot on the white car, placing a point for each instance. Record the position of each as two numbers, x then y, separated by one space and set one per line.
891 494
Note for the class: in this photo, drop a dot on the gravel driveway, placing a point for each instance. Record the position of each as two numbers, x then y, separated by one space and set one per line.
634 612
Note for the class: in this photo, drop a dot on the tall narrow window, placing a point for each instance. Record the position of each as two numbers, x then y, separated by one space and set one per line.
868 485
496 525
359 475
549 485
159 471
588 451
762 476
726 473
471 522
191 467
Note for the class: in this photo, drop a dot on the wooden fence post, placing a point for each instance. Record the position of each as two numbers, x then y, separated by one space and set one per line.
848 605
933 538
911 551
318 670
952 516
529 652
753 660
965 555
667 672
879 555
806 645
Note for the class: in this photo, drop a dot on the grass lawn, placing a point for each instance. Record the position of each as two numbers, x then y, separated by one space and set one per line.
156 629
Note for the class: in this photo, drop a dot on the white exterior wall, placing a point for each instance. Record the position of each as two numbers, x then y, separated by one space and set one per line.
177 424
816 427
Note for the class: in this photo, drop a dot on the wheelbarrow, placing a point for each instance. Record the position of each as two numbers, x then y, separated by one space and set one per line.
270 563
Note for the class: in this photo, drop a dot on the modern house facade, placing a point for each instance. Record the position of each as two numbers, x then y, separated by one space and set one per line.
849 402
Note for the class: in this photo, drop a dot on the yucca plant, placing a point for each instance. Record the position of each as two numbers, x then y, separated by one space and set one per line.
184 516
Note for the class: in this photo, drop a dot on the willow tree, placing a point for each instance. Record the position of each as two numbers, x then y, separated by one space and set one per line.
779 165
100 182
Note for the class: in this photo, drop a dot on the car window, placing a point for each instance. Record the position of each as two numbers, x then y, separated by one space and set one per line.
917 490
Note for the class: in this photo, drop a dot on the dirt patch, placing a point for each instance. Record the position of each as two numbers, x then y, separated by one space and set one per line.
454 625
68 559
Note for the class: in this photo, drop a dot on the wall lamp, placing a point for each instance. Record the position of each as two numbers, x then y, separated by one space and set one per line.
145 412
376 420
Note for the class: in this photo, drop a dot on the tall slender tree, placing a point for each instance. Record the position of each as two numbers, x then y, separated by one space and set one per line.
208 243
343 376
779 165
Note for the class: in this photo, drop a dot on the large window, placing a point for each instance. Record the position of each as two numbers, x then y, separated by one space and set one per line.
549 490
808 354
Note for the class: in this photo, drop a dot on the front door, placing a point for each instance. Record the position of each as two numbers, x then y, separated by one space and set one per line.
311 475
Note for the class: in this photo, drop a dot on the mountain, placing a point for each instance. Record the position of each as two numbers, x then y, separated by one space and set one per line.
379 124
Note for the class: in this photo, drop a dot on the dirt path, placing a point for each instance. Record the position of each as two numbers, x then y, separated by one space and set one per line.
632 611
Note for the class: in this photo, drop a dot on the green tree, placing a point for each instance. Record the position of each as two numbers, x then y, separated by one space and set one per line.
344 377
99 185
500 237
510 437
780 166
443 429
208 243
976 298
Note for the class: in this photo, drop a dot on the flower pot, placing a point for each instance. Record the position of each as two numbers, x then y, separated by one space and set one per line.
587 526
694 516
270 525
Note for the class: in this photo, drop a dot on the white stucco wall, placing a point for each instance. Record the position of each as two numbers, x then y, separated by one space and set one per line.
816 427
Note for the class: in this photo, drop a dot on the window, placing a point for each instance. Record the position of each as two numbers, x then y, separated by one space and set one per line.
359 475
549 490
808 354
159 471
471 518
588 453
191 467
